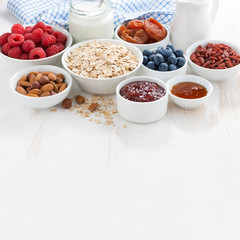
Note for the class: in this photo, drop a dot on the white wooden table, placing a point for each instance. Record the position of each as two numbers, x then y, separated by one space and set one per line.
63 177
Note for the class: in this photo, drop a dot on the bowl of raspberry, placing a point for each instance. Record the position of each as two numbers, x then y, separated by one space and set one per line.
38 44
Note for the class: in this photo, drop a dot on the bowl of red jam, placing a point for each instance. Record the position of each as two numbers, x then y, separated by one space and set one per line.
189 91
142 99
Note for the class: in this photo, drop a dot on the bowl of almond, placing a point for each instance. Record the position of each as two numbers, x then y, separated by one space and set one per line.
40 87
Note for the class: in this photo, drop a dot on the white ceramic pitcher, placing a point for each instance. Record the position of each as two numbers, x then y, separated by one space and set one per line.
192 22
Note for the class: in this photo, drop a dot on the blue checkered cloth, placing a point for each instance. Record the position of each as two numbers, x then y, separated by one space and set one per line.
55 12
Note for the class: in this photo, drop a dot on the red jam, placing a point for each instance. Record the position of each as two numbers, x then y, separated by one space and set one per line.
142 91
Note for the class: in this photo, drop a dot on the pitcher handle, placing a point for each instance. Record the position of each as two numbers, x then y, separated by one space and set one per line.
214 9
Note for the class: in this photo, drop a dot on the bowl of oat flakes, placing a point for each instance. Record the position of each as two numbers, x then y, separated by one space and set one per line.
99 65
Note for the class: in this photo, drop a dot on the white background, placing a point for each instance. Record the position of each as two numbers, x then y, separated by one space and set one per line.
63 177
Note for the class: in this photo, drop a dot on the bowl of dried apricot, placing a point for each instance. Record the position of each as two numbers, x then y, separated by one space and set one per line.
144 34
42 86
214 60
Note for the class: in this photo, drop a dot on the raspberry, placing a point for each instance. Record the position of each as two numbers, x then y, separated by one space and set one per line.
24 56
17 28
61 38
37 53
40 25
27 36
52 50
15 52
37 35
15 39
28 29
4 38
48 40
28 46
5 48
49 30
60 46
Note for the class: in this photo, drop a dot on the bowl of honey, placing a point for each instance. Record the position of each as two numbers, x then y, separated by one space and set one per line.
189 91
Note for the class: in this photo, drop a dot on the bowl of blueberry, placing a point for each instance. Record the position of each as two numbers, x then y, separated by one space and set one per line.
164 63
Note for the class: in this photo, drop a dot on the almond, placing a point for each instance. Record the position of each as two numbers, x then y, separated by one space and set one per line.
60 75
45 73
63 87
67 103
23 78
47 88
35 85
93 107
59 84
21 90
39 75
32 78
80 99
32 95
45 94
58 80
43 80
25 83
55 88
35 91
34 73
52 76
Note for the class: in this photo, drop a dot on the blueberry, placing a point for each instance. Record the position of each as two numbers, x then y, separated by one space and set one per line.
172 67
146 52
145 60
151 65
167 52
172 59
163 67
179 53
158 58
172 47
159 50
180 61
151 57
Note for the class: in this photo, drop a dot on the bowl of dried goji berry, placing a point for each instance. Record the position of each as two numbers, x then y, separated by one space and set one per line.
31 45
214 60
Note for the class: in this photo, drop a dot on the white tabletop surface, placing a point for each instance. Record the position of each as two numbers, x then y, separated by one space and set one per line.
63 177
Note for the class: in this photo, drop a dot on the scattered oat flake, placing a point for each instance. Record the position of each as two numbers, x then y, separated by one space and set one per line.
125 126
97 121
53 110
108 122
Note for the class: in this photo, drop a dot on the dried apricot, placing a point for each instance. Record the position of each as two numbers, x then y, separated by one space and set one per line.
154 29
136 24
138 36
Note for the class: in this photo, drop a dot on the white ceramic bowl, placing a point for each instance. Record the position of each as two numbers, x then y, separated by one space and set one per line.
18 64
103 85
164 76
212 74
189 103
40 102
162 43
142 112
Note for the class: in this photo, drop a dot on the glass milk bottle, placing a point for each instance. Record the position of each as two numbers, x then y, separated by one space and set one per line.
89 20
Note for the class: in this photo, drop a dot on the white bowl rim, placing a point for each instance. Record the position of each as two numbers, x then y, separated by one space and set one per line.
204 42
30 69
170 83
168 72
144 79
46 58
145 44
101 40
